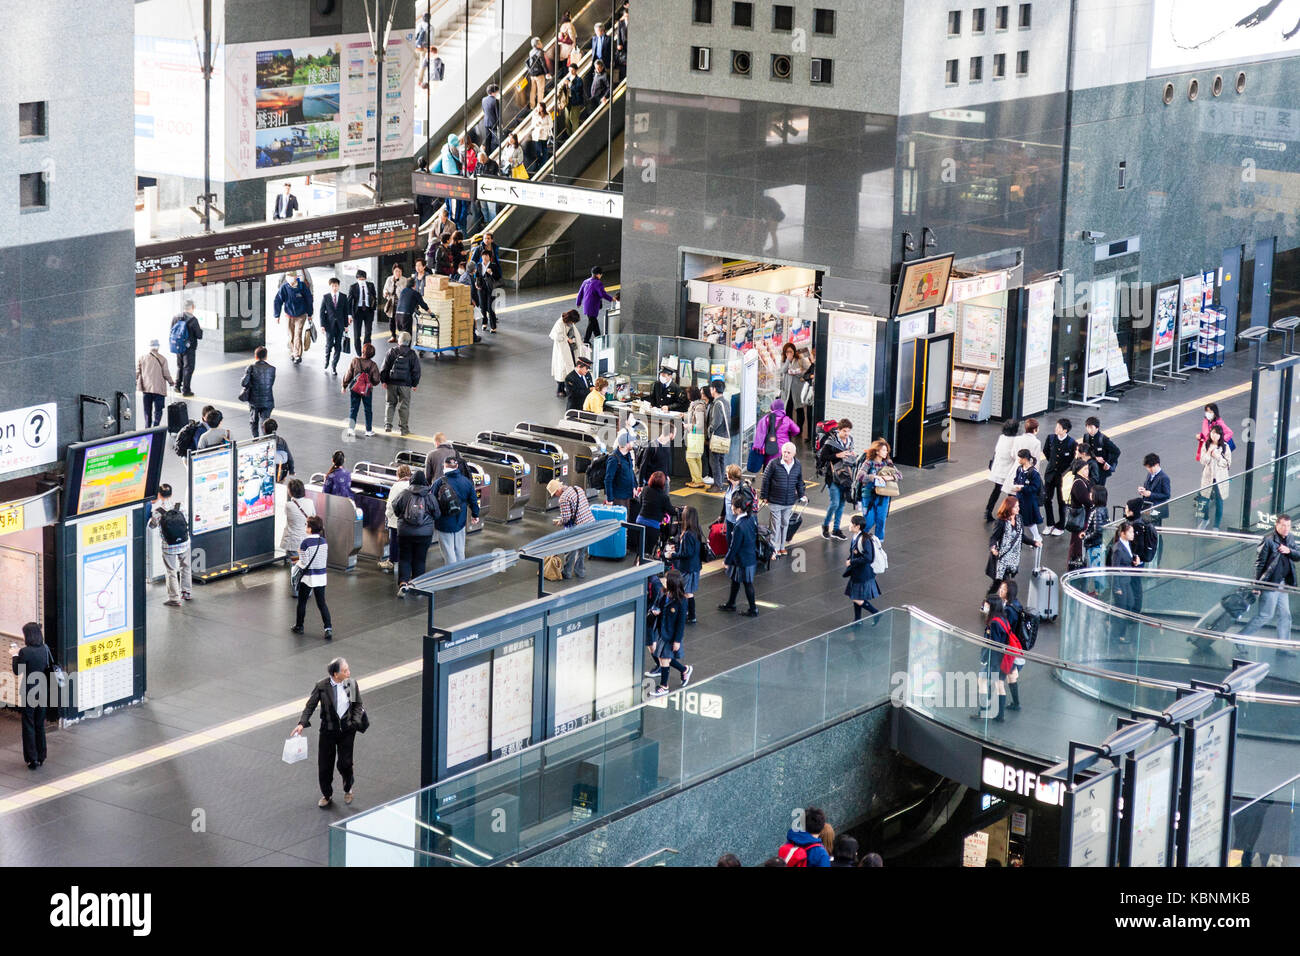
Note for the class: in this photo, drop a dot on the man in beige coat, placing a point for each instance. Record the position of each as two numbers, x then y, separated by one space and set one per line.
151 379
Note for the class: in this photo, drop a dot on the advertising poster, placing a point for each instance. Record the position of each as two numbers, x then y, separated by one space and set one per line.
467 714
1189 307
1098 341
256 462
296 105
981 336
923 285
615 662
1186 34
512 697
850 369
1208 802
114 473
1038 330
105 625
210 490
575 676
169 107
1162 335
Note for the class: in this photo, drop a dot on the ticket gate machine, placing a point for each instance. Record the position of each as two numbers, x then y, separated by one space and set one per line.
546 459
343 524
505 475
577 443
481 485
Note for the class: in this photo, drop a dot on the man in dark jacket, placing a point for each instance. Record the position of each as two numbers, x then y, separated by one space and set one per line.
407 302
361 303
294 298
1146 540
1274 566
490 129
659 455
782 488
578 383
185 359
440 452
341 716
400 376
600 87
457 499
573 97
259 381
620 477
335 314
1156 489
417 514
1104 451
1058 453
717 423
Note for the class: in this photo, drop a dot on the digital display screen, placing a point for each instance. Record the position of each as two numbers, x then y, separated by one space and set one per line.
233 261
445 187
382 238
115 473
168 270
318 247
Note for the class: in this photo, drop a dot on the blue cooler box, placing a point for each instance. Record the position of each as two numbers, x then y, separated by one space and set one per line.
615 546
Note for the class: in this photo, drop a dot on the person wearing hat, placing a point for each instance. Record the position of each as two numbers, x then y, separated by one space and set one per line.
620 474
665 395
151 379
578 383
457 499
575 510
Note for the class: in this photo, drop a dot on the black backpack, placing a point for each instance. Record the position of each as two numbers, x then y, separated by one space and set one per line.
1027 630
183 443
596 471
448 500
770 445
744 497
173 526
415 510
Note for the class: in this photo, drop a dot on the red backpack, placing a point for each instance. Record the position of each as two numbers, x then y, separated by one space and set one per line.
792 854
362 385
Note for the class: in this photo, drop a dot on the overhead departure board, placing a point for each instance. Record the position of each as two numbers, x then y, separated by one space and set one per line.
317 247
382 238
169 270
236 260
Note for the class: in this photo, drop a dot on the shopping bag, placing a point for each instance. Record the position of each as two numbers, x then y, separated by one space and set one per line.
553 568
695 444
295 749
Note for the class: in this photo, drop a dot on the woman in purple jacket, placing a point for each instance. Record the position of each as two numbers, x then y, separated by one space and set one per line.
338 480
782 426
590 295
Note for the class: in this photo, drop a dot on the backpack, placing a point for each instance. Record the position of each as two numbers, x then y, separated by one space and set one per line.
362 385
821 432
1027 630
400 361
178 340
792 854
596 471
448 500
173 526
416 510
770 445
743 496
183 443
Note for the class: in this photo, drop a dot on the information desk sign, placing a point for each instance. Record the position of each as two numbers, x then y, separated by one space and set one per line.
1150 792
1207 789
1088 823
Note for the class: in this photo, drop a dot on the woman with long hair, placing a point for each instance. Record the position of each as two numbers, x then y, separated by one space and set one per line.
877 476
1005 542
564 348
32 664
686 553
1080 496
1216 459
672 628
792 369
693 425
990 676
1003 463
338 480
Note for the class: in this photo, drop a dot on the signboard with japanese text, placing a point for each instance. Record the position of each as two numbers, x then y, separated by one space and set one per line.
105 584
29 437
522 192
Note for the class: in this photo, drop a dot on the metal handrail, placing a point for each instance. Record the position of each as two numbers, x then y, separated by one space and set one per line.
662 849
1265 796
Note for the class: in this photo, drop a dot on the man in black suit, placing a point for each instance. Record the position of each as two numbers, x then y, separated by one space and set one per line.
361 303
490 128
341 716
578 383
335 313
1156 489
286 204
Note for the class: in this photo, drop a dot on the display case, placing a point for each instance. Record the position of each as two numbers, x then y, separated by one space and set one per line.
1210 340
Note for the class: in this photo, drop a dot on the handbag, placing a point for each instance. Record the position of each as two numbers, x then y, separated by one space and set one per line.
1076 518
806 394
244 391
719 444
519 172
695 444
1202 506
347 344
755 460
553 568
890 487
295 578
361 723
295 750
991 567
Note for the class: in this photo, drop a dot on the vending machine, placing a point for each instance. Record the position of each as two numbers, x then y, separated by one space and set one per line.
923 435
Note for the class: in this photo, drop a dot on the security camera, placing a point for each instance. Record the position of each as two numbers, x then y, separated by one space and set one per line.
1091 235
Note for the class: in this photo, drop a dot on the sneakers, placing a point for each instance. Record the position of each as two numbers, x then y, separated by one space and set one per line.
651 673
1056 532
171 603
826 532
324 802
296 629
660 691
388 428
686 678
347 796
187 596
385 566
369 433
329 636
839 535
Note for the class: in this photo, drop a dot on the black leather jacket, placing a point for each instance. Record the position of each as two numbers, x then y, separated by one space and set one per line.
1268 558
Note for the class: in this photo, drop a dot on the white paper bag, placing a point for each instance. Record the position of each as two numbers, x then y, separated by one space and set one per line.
295 749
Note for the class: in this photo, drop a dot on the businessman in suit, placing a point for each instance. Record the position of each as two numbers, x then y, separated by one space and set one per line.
361 303
490 128
1156 489
341 717
286 204
335 313
601 46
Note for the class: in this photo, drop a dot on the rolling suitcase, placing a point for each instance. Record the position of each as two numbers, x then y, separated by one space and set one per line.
178 416
615 546
796 522
718 539
1044 590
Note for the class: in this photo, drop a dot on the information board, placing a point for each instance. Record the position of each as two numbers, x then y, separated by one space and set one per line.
105 619
615 662
1098 342
1209 788
442 186
20 590
981 336
923 284
1092 811
256 463
1040 311
1166 309
210 490
1149 815
512 696
115 473
468 717
1190 303
313 247
575 658
233 260
29 437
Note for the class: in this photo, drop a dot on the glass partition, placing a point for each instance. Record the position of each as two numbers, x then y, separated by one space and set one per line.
1266 831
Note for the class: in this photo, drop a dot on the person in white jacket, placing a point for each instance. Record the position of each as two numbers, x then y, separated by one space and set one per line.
1216 459
1028 440
297 509
564 348
1003 464
401 484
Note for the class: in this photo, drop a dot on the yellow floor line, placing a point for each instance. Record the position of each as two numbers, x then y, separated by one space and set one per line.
339 423
285 713
289 710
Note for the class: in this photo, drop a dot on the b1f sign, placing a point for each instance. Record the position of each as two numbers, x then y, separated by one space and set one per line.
28 437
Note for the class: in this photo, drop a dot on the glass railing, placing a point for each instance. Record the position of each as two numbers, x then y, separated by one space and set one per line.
1266 831
538 795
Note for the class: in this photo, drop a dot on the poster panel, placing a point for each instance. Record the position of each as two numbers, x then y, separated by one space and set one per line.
1190 302
210 490
467 714
105 619
1162 336
1186 34
256 463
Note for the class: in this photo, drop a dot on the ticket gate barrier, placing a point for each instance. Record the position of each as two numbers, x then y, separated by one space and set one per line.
602 426
502 495
389 473
372 493
547 460
577 443
343 524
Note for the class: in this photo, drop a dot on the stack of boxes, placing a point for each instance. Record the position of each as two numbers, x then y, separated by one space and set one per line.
453 313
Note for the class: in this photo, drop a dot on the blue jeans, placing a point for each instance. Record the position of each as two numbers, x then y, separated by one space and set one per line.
836 509
875 509
358 400
153 409
1271 602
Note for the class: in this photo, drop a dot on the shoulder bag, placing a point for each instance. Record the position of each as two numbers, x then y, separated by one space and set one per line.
889 476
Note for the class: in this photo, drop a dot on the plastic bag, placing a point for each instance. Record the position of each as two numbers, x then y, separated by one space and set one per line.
295 749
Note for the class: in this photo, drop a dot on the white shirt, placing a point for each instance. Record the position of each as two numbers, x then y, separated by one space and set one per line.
340 698
788 467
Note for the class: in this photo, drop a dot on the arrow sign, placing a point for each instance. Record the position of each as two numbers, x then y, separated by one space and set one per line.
598 202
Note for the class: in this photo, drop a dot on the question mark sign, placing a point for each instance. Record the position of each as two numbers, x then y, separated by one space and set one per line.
32 430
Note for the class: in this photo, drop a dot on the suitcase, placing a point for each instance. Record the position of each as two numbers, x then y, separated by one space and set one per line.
1236 607
615 546
178 416
1044 590
796 522
718 539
